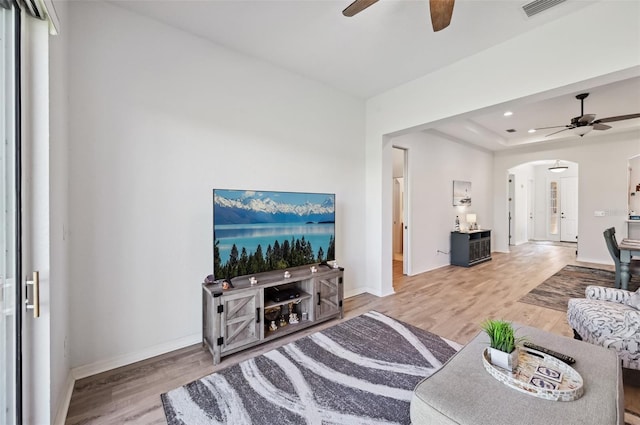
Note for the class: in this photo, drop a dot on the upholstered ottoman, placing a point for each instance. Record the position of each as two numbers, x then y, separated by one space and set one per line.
463 392
608 317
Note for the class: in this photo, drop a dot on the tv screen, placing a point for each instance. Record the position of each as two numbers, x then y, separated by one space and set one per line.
258 231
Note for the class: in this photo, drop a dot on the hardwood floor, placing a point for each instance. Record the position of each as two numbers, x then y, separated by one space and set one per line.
450 301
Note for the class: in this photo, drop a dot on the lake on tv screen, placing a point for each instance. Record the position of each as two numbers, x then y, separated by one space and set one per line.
249 236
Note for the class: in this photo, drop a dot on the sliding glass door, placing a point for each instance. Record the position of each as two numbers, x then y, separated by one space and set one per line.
10 294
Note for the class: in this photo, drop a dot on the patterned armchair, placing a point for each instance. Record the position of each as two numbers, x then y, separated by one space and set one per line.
611 318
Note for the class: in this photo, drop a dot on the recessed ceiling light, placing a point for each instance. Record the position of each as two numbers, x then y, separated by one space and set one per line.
532 130
508 114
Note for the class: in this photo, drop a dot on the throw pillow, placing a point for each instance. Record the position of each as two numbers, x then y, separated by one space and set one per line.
634 300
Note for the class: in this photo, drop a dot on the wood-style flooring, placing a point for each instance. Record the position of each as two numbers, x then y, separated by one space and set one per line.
450 301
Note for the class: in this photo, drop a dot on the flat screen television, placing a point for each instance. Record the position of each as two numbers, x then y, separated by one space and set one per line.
258 231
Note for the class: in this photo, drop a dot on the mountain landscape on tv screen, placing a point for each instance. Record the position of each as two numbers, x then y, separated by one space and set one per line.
263 231
234 207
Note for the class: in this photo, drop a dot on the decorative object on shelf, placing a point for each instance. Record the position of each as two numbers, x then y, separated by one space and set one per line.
272 313
273 326
503 350
471 221
283 322
305 315
226 284
335 264
287 275
293 318
314 269
457 226
461 193
253 280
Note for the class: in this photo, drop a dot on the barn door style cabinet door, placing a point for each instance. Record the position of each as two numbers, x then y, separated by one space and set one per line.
240 319
329 299
234 319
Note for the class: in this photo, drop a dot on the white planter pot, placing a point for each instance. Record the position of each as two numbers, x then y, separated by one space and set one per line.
508 361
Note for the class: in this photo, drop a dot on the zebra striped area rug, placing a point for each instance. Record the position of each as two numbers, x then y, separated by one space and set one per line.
361 371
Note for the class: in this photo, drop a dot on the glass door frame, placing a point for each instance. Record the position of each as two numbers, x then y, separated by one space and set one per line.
10 219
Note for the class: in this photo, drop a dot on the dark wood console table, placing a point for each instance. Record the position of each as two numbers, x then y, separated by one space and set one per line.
470 248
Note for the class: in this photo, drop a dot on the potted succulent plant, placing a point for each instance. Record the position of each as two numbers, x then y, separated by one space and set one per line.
503 343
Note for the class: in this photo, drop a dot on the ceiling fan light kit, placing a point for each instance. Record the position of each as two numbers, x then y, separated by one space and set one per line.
582 130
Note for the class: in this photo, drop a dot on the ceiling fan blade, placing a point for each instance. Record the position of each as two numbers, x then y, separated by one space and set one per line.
560 131
441 11
553 126
357 7
598 126
586 118
618 118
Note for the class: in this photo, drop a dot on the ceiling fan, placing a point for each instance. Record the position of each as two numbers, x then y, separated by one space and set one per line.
584 123
441 11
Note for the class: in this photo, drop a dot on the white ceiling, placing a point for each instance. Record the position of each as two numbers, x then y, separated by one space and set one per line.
389 44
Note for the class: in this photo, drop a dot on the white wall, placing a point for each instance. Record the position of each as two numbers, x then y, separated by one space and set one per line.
602 186
527 66
434 163
158 118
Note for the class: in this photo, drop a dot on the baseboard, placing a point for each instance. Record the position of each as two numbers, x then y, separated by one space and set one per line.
126 359
355 291
593 260
439 266
63 408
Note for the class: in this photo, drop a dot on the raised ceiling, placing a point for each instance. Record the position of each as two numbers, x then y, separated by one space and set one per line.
389 44
490 129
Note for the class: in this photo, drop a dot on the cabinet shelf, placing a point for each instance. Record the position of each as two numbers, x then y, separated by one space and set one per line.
271 304
286 330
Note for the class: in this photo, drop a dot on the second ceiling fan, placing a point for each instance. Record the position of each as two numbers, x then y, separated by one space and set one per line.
584 123
441 11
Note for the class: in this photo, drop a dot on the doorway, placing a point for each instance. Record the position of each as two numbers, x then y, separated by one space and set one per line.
399 209
543 202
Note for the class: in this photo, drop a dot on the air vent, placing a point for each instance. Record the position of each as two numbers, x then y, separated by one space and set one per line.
511 130
538 6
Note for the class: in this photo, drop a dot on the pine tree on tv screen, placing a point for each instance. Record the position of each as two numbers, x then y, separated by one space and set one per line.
258 231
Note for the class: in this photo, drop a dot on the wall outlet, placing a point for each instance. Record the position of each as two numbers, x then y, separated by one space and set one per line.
599 213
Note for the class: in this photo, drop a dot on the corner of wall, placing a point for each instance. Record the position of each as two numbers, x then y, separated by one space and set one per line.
65 401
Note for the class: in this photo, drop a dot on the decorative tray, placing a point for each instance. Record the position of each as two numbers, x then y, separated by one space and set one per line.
539 375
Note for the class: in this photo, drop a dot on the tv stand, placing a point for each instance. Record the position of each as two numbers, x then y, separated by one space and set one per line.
246 315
